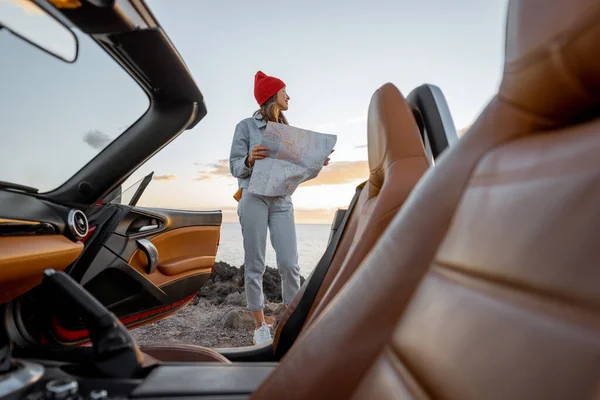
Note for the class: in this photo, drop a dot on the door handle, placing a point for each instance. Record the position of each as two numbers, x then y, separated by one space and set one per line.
151 254
148 228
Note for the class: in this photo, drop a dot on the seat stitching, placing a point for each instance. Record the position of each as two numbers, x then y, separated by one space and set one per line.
542 119
570 75
423 156
533 174
404 372
459 273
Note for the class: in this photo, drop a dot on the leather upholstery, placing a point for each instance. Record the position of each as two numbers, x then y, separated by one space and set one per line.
400 165
342 250
392 135
397 160
182 353
485 284
182 252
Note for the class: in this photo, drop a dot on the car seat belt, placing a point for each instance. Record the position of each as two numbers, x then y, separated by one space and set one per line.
292 327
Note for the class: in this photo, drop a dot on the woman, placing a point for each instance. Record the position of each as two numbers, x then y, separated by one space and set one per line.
256 212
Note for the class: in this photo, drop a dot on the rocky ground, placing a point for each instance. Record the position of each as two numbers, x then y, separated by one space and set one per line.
217 317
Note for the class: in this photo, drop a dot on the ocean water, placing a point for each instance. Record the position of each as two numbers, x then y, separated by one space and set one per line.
312 241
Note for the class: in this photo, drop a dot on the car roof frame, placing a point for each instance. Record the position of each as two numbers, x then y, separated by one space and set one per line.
131 35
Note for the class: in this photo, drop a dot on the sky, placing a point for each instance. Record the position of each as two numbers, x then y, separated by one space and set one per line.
332 56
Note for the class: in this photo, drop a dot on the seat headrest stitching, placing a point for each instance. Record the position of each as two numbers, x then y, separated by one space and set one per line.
423 156
541 119
572 77
387 213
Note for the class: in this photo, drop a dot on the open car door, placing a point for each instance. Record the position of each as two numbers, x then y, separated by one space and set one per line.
142 263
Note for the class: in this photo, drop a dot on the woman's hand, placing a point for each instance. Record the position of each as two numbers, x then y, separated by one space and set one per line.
326 163
258 153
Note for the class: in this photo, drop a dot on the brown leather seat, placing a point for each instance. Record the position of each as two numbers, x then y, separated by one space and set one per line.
485 285
397 160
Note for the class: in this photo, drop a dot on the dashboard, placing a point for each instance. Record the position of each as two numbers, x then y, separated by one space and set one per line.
35 235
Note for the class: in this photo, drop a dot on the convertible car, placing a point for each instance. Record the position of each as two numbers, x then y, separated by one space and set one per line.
462 269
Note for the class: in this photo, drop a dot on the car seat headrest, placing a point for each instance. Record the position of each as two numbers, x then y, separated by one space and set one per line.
392 132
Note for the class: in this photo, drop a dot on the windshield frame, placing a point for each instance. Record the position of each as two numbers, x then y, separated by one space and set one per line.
175 101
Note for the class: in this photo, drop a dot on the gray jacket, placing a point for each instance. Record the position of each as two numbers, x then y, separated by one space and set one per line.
248 133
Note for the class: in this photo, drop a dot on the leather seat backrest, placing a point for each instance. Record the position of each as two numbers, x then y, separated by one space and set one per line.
397 160
485 285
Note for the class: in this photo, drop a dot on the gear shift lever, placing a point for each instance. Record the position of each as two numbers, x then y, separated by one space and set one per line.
115 352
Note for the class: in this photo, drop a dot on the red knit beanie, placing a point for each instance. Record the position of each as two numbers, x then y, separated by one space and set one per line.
266 87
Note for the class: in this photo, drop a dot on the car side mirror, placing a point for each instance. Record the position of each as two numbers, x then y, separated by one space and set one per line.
31 22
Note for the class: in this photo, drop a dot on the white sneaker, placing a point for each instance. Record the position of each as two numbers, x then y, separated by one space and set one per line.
262 335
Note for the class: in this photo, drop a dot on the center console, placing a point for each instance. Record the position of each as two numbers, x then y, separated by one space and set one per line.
113 367
41 380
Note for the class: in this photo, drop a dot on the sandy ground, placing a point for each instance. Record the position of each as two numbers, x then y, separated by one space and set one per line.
195 324
217 317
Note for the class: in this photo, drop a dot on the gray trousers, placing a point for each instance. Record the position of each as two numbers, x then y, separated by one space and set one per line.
256 213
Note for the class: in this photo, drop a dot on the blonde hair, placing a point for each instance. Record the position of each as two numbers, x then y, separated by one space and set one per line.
270 111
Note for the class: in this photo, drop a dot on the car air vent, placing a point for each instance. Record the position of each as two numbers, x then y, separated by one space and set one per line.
78 224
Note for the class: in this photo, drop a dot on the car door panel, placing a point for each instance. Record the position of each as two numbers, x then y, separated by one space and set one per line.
181 252
117 272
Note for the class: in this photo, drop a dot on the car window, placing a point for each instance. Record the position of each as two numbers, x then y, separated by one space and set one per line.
125 194
57 116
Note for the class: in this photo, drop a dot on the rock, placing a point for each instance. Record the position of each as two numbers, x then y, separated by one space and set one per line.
224 272
272 285
226 280
270 308
223 281
238 319
238 280
236 299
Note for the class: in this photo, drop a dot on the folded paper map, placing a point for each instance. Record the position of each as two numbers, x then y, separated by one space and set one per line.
295 156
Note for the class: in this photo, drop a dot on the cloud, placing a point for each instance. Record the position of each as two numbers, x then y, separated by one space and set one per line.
168 177
218 169
96 139
339 173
